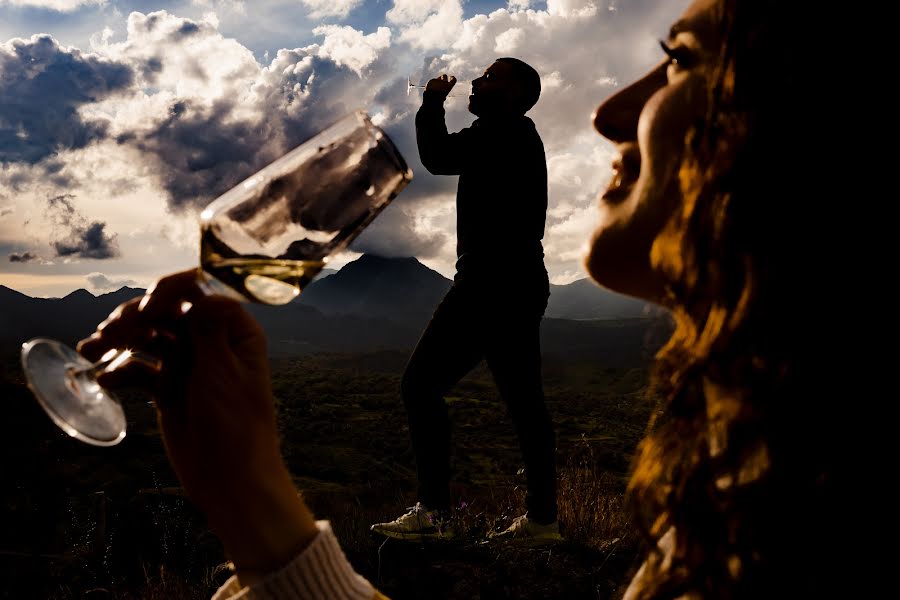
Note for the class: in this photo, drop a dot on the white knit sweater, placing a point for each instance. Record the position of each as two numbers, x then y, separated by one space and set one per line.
320 572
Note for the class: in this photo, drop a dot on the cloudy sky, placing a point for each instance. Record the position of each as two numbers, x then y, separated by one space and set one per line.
120 119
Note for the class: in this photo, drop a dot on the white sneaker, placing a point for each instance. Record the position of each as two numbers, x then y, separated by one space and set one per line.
528 532
418 523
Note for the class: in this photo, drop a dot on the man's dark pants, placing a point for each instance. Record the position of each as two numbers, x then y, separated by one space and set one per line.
498 321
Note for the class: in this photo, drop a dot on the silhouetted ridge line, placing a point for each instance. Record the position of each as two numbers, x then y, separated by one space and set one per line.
373 303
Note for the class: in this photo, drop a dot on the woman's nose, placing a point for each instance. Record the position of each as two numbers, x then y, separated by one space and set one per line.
617 117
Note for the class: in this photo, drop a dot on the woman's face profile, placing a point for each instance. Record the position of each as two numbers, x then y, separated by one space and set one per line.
648 122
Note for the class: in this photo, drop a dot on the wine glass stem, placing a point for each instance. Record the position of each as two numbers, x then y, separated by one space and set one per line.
422 87
111 363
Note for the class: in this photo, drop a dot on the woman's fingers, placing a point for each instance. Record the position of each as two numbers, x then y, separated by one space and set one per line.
137 321
131 374
160 364
171 296
123 327
182 327
152 350
149 323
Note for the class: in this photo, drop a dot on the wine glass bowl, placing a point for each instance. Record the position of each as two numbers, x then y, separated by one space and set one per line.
269 236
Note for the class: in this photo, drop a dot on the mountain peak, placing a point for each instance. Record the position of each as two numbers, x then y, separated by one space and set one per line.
123 293
79 294
376 259
376 286
373 265
6 292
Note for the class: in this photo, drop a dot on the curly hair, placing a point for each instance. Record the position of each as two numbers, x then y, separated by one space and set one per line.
737 462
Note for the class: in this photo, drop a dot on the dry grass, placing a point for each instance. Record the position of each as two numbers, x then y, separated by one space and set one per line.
591 501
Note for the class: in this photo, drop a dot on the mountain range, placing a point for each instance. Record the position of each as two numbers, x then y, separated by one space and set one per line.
371 303
404 289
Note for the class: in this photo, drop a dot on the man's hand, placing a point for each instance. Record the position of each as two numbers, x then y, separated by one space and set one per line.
441 85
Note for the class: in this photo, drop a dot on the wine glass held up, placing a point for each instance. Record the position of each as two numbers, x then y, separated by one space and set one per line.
411 86
262 241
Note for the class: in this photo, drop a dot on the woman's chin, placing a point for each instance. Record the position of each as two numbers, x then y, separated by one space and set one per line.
617 261
601 261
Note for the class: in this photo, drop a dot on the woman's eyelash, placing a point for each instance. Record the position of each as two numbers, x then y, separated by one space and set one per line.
680 55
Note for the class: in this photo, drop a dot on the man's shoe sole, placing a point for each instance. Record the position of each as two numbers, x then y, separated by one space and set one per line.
414 536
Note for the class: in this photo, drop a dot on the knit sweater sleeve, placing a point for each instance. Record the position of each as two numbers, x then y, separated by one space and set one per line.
320 572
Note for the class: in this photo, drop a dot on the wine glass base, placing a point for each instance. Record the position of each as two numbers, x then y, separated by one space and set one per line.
74 400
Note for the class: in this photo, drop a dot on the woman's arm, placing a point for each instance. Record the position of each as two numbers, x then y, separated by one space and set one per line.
217 417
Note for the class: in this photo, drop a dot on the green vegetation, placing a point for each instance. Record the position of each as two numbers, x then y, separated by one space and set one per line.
82 522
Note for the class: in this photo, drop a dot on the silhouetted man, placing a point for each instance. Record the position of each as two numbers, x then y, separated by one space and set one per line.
493 310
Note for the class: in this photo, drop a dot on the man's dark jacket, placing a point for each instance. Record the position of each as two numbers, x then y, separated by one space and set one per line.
501 201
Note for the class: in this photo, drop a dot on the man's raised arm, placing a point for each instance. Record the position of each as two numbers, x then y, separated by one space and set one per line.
440 152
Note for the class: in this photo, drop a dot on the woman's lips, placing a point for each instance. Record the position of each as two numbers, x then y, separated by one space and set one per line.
626 169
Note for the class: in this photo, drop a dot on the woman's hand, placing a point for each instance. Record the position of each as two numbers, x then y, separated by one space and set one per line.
216 413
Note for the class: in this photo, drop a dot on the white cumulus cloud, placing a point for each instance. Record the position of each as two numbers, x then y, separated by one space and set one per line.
347 46
427 24
581 8
58 5
102 283
509 41
238 7
330 8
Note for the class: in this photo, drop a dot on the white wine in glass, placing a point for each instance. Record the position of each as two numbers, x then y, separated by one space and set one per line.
262 241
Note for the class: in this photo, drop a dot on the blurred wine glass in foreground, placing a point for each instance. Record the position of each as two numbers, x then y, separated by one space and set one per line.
262 241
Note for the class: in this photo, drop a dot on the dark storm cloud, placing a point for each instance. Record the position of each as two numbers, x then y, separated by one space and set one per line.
201 152
22 258
75 236
188 29
62 209
43 85
88 242
54 173
150 69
